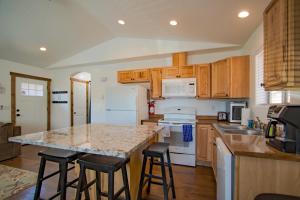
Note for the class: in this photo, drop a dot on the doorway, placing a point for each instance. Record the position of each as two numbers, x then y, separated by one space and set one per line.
80 98
30 102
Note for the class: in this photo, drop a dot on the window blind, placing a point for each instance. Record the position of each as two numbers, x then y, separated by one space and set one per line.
260 93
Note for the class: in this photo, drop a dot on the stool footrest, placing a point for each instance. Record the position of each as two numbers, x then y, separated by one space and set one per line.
88 185
105 194
54 173
153 176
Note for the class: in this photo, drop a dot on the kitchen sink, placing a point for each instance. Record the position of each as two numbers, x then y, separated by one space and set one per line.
244 132
238 129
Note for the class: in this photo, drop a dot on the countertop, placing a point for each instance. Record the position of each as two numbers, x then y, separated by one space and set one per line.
253 145
103 139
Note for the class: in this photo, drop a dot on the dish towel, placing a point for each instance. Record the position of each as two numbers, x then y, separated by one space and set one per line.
165 132
187 130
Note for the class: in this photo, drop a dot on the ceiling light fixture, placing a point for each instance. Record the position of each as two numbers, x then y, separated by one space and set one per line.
43 48
243 14
122 22
173 22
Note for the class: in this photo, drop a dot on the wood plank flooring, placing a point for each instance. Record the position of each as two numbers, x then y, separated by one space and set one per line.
190 183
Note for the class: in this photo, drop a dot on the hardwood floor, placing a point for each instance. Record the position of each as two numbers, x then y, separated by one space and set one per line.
190 183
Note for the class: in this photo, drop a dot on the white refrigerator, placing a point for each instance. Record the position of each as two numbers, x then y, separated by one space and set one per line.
126 105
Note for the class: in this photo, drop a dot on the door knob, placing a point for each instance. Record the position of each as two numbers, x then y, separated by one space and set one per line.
18 115
18 110
75 113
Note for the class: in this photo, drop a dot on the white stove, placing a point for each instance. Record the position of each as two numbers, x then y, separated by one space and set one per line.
182 153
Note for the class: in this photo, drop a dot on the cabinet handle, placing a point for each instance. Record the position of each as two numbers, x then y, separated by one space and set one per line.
262 85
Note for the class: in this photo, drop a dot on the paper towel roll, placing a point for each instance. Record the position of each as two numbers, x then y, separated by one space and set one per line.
245 116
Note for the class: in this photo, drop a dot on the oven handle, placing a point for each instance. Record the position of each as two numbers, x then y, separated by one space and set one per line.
173 125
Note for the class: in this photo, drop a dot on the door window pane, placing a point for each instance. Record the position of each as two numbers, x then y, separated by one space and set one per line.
30 89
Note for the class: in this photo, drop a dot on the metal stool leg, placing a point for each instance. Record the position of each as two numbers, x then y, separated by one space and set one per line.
111 184
40 179
150 172
142 178
63 166
98 185
80 183
171 174
125 182
164 178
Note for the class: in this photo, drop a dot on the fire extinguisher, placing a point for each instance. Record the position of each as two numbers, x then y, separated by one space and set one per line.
151 108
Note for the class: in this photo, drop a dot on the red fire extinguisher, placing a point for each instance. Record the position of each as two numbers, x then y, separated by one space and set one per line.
151 108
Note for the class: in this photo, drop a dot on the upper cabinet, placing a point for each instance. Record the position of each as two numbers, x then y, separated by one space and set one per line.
155 83
282 45
230 78
203 76
186 71
134 76
179 59
220 81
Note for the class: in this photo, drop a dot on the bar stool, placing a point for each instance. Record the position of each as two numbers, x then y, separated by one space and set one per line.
269 196
63 158
104 164
157 150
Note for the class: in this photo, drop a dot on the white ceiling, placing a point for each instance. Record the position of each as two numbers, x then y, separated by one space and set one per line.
67 27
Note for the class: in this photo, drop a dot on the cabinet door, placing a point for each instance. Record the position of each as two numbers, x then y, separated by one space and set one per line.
156 83
125 76
203 80
204 143
179 59
187 71
239 77
220 81
141 75
214 153
170 72
275 44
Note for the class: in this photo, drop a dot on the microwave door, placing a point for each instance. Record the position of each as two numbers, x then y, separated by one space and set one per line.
237 113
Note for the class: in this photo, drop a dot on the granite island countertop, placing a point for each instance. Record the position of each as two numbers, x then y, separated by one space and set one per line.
102 139
253 146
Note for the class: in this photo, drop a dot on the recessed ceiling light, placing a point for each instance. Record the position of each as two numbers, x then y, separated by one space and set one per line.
173 22
120 21
243 14
43 48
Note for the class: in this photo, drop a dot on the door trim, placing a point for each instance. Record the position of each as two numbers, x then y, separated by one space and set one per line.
13 76
72 80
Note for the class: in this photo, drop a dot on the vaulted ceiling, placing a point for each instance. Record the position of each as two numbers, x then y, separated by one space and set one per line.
67 27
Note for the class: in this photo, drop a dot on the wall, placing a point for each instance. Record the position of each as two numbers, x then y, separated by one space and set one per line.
5 68
61 81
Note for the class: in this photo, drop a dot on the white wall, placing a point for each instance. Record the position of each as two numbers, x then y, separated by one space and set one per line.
61 81
5 68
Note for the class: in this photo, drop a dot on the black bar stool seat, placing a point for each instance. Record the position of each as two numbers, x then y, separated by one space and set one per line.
63 158
104 164
157 151
269 196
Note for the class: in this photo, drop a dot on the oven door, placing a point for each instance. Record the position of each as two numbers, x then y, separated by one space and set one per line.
177 145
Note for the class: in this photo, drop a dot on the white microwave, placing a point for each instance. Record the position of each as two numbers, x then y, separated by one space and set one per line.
179 87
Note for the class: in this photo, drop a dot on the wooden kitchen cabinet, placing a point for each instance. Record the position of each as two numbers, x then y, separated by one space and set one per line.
203 76
179 59
282 45
156 83
230 78
134 76
204 143
214 152
220 81
186 71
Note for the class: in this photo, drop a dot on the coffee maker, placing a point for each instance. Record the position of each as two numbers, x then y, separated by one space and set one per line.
289 117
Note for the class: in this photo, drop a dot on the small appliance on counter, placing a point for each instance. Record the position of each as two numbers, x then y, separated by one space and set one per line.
222 116
234 111
289 117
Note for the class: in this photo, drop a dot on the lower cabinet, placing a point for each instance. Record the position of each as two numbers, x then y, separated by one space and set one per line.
204 144
214 153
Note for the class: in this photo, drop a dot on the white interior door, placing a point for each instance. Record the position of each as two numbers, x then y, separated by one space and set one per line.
79 103
31 105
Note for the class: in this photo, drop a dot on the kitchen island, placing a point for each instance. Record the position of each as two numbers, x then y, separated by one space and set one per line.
101 139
